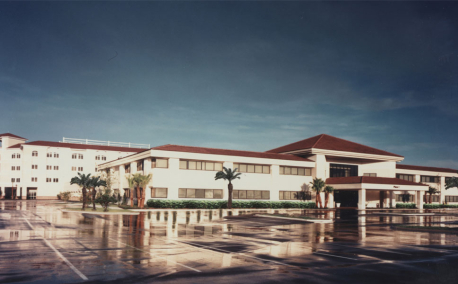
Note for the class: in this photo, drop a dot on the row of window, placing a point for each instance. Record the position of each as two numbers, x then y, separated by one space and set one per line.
35 179
251 168
370 174
200 193
100 158
56 168
16 168
50 155
79 169
449 198
405 177
295 195
201 165
251 194
295 171
16 156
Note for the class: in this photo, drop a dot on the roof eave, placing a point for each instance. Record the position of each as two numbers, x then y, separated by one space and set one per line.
316 151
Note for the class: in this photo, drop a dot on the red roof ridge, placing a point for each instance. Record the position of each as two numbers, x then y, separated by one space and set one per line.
425 168
83 146
12 135
321 136
278 155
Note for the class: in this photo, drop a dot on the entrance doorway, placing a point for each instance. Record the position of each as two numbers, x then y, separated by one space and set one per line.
346 198
10 192
31 193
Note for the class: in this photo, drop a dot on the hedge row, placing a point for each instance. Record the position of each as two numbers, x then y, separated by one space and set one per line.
406 205
212 204
437 206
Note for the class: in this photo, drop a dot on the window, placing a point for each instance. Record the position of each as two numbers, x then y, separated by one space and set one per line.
200 193
80 156
74 156
370 174
251 194
56 155
74 169
18 156
13 180
80 169
295 195
49 155
13 156
104 158
433 179
140 165
159 163
201 165
435 198
295 171
13 168
97 158
340 170
18 180
55 180
48 179
35 154
49 167
34 179
405 177
451 198
249 168
127 169
56 168
34 167
159 192
405 198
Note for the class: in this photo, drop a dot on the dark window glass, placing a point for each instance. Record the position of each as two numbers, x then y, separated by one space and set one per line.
341 170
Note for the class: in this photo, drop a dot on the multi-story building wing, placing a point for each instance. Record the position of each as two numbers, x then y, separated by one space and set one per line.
42 169
363 177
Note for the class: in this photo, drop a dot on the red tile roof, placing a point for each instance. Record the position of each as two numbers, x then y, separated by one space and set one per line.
364 179
422 168
12 135
327 142
214 151
81 146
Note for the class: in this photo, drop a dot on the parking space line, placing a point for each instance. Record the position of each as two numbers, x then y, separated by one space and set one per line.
249 256
364 248
335 255
188 267
66 261
29 223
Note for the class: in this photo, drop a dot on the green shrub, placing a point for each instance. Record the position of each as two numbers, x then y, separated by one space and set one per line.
406 205
222 204
65 195
437 206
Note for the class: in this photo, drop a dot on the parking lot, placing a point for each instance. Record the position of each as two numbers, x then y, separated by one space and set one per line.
41 244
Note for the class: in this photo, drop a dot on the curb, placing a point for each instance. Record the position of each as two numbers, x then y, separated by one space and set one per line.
100 213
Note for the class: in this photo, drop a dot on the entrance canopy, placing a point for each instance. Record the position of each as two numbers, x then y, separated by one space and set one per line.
375 183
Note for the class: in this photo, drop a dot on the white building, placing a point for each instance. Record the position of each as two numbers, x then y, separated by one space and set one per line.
42 169
363 176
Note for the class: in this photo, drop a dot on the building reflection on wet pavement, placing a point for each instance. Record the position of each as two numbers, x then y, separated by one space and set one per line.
41 244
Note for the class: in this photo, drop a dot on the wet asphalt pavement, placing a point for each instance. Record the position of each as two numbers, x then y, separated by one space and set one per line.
41 244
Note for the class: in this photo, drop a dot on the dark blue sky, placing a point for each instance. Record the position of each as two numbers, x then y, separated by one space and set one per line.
252 76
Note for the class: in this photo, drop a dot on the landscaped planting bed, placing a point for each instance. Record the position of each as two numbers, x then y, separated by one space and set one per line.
211 204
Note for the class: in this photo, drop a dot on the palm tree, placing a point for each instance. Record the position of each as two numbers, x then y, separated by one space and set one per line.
327 190
431 191
83 181
317 185
130 181
96 182
141 181
451 182
229 175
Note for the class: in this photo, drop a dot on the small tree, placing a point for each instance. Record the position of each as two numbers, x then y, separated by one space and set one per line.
105 199
317 185
141 181
305 193
83 181
327 190
94 183
229 175
431 191
131 183
65 195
